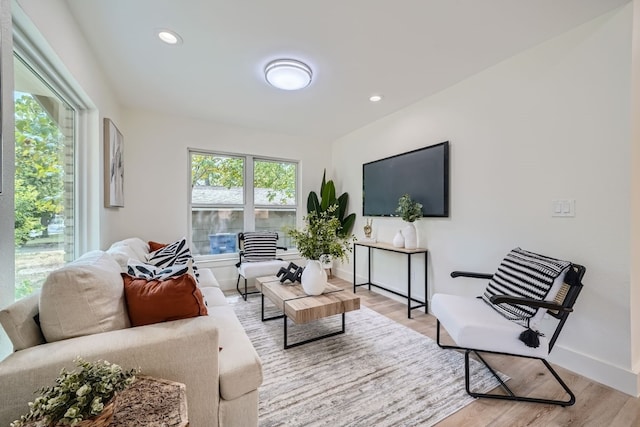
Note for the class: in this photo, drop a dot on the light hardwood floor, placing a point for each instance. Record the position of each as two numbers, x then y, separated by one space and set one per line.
596 405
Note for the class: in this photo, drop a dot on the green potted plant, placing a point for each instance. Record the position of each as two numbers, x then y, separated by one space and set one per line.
327 199
320 237
81 397
410 211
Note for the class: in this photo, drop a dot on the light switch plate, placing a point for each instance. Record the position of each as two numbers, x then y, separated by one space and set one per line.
563 208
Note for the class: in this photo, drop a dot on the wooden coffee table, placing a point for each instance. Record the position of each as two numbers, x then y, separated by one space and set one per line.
302 308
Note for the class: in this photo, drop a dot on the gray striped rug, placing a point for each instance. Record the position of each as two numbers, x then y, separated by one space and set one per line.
379 373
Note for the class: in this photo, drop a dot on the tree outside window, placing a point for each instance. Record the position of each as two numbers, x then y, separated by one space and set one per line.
44 180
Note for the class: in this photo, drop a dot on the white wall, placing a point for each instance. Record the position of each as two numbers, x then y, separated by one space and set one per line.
157 175
635 193
550 123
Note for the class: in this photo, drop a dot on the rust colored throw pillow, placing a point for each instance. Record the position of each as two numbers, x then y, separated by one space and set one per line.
155 301
154 246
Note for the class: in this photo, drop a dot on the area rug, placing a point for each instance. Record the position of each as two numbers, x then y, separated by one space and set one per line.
378 373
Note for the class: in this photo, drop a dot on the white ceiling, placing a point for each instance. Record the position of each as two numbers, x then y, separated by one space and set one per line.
402 49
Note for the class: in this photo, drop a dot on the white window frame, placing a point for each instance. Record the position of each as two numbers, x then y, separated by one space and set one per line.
249 207
43 61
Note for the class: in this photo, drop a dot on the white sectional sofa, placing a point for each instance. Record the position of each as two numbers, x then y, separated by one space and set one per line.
211 354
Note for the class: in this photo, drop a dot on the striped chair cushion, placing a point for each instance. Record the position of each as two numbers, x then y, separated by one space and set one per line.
524 274
260 246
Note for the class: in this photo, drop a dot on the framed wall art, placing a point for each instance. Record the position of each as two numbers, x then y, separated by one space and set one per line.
113 165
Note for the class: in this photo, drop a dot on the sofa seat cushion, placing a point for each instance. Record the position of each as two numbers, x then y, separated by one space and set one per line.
213 296
207 279
239 365
251 270
19 323
84 297
471 323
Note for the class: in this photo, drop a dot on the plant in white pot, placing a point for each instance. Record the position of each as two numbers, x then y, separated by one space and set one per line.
409 211
320 238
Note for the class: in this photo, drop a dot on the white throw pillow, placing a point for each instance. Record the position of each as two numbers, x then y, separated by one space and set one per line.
122 255
82 298
132 247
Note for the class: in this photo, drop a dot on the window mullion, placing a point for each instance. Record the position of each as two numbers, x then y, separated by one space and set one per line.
249 202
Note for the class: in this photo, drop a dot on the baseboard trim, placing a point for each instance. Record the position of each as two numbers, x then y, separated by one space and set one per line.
616 377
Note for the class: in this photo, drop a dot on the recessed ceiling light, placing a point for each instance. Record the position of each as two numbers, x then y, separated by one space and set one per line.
375 98
288 74
169 37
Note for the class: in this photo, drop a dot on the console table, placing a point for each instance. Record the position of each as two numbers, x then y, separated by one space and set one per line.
409 253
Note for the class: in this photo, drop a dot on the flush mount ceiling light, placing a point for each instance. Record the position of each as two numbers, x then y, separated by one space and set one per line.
288 74
169 37
375 98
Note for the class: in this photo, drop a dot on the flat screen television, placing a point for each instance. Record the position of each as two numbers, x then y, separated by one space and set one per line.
421 173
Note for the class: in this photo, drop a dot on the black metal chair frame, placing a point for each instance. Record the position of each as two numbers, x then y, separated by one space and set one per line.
558 311
241 255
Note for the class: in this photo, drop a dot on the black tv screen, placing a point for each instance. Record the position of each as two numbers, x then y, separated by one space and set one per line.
421 173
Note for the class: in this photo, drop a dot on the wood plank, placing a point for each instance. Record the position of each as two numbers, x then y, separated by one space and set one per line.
305 310
265 279
390 247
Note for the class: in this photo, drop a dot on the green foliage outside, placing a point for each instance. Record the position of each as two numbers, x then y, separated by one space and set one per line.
39 172
23 289
278 178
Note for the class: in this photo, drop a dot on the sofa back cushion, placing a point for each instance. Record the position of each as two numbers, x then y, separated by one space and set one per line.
124 250
19 323
84 297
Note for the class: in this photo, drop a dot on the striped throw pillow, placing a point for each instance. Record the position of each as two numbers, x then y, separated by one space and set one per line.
175 253
260 246
523 274
151 272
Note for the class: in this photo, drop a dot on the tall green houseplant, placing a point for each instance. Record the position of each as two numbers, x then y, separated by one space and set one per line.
327 199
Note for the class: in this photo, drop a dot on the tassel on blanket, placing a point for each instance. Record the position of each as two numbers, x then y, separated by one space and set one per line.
530 338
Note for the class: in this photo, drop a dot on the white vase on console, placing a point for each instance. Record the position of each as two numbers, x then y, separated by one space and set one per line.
398 240
410 236
314 278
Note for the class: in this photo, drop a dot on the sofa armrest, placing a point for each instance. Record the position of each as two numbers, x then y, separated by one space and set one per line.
185 351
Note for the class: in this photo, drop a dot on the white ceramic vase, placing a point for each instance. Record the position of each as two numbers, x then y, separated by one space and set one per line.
398 240
410 236
314 278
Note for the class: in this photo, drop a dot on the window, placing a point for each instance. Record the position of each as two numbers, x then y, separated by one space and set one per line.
234 193
44 179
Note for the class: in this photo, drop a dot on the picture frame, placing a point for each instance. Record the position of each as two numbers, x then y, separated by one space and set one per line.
113 165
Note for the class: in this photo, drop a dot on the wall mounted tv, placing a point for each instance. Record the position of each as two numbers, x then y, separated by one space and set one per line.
421 173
